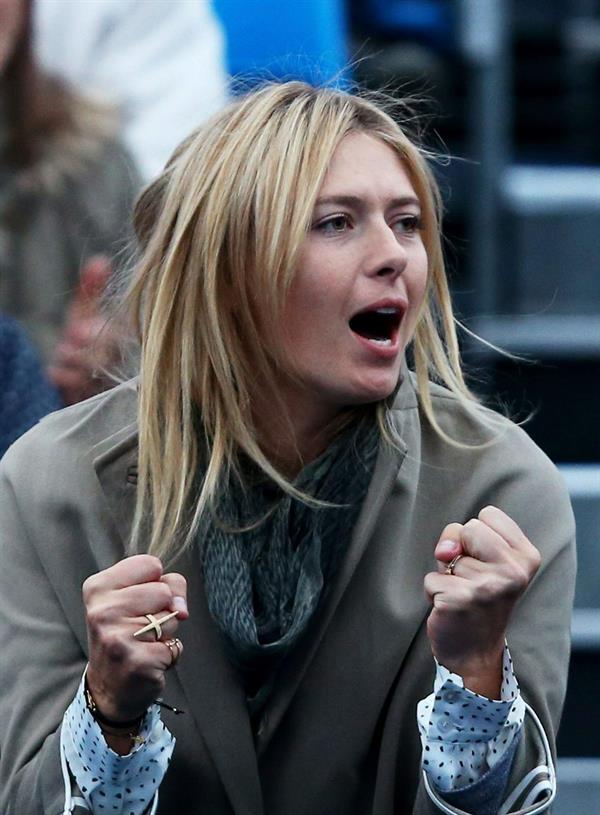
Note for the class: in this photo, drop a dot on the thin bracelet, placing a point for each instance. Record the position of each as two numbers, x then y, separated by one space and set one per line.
130 724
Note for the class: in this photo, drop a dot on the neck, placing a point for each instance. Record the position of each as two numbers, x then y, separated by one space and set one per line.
294 439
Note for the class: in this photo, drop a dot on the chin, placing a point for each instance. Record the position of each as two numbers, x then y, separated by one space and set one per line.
374 392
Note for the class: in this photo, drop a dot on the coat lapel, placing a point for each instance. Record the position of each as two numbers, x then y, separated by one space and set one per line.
214 697
115 462
389 461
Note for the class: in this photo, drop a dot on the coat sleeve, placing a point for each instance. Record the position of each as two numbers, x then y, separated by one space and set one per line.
533 493
41 663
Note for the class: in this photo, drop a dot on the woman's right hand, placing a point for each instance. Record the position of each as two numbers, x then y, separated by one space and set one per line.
126 674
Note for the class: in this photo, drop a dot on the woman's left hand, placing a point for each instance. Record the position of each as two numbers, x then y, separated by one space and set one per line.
472 606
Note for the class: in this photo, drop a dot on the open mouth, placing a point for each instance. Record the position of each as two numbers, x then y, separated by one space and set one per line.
379 325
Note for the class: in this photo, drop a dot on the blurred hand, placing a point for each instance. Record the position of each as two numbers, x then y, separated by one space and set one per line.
126 674
87 346
471 608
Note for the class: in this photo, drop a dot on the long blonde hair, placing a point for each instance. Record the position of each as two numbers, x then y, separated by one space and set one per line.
220 231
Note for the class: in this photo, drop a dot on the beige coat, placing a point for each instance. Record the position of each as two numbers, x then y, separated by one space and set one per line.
339 735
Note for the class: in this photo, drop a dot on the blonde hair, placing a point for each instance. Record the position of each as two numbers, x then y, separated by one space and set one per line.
220 231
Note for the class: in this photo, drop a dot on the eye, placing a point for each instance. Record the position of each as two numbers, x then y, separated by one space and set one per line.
408 224
334 224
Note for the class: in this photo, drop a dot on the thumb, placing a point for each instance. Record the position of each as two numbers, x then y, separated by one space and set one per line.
449 544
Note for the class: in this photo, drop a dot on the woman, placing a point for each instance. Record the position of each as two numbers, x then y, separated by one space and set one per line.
275 491
66 192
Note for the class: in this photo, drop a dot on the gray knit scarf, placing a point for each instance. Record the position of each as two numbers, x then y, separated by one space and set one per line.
264 584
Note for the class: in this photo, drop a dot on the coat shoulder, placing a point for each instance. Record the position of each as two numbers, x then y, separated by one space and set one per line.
487 455
488 434
81 432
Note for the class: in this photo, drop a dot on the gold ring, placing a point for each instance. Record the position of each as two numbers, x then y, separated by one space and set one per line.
451 566
175 647
154 624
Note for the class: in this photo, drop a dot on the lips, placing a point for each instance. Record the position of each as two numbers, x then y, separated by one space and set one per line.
378 323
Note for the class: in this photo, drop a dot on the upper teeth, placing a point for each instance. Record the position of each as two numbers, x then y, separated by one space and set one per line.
386 310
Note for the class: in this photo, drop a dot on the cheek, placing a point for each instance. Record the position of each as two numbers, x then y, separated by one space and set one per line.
417 285
418 280
315 295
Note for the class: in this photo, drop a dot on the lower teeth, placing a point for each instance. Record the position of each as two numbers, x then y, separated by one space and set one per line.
377 341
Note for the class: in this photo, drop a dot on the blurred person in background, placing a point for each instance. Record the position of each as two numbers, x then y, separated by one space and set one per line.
66 193
316 520
25 394
160 61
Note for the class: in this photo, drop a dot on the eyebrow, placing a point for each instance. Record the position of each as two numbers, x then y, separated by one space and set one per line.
357 201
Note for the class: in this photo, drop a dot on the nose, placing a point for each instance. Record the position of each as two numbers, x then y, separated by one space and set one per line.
387 256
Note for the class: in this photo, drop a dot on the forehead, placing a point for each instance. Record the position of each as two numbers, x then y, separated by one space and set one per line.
364 165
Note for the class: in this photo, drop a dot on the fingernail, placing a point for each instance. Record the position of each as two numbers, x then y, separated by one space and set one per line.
446 547
179 604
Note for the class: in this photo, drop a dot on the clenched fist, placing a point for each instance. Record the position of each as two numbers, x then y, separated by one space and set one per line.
472 606
126 674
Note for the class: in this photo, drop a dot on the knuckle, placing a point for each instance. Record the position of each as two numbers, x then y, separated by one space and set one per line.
472 527
144 671
154 562
97 617
471 532
163 594
149 564
113 646
89 588
523 577
518 578
440 603
487 512
535 559
470 595
487 590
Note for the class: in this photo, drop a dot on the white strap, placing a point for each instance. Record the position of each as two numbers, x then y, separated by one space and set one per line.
521 787
65 774
71 801
541 786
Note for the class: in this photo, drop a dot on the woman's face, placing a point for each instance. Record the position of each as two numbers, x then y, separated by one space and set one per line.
354 301
11 19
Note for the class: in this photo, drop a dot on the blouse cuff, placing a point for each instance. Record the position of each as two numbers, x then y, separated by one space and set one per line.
109 782
465 735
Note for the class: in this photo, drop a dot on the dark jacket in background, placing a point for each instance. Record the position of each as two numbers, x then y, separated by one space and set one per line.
25 395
